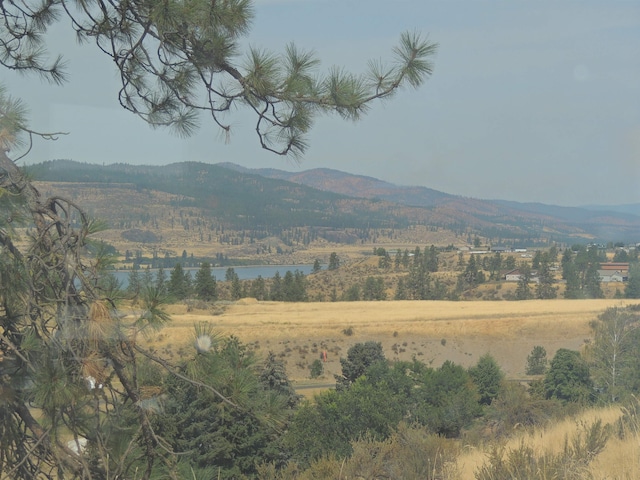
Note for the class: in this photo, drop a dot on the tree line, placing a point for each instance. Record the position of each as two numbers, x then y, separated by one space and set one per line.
179 285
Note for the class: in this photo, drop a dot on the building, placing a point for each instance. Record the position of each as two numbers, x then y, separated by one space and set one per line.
516 275
608 276
613 272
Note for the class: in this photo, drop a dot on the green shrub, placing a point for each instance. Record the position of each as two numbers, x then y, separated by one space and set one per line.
316 368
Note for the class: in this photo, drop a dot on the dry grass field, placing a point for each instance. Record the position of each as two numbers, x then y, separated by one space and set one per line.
618 460
432 331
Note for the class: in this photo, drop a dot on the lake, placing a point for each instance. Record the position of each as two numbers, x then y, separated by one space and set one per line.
249 272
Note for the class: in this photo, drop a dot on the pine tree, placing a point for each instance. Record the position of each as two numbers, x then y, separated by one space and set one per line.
334 261
401 291
632 288
134 285
545 288
187 51
178 287
316 266
536 361
161 281
174 60
523 290
205 284
276 291
258 289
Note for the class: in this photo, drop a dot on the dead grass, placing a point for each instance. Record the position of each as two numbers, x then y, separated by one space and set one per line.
432 331
553 438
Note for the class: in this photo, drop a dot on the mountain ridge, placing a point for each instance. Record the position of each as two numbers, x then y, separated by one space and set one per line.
268 198
307 177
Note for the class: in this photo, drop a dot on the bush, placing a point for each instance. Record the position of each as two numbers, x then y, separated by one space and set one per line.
536 361
568 378
316 368
348 331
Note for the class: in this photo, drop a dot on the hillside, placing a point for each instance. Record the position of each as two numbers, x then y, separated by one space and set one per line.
215 200
492 218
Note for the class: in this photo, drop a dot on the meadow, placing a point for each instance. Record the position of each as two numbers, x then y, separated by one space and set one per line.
432 331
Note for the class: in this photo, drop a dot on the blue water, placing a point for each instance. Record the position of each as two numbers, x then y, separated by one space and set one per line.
244 272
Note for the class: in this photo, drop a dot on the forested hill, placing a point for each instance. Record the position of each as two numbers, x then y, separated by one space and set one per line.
598 222
354 185
274 199
240 200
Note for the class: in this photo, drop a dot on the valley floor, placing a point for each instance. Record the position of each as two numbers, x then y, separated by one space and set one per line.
431 331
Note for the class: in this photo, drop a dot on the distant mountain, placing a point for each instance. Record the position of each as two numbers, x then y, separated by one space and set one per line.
360 186
599 222
631 208
271 200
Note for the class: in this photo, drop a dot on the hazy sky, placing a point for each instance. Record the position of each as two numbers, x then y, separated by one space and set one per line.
529 101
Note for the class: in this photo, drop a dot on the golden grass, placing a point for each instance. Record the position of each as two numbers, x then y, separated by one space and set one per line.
620 460
433 331
551 439
255 320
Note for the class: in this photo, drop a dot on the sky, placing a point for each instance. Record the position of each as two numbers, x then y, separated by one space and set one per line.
528 101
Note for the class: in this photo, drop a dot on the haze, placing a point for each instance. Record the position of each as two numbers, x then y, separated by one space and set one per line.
529 101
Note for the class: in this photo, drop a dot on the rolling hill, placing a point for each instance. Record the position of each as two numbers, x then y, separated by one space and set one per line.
271 200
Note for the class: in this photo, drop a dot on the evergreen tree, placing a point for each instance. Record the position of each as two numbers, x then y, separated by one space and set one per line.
178 287
509 262
537 258
258 289
134 285
536 361
219 439
431 259
545 288
472 276
352 294
273 377
385 261
187 51
171 59
334 261
405 258
205 284
300 286
418 281
592 285
161 281
401 291
237 291
632 287
568 378
495 265
230 274
147 278
523 290
294 288
567 263
488 378
276 292
397 261
373 289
